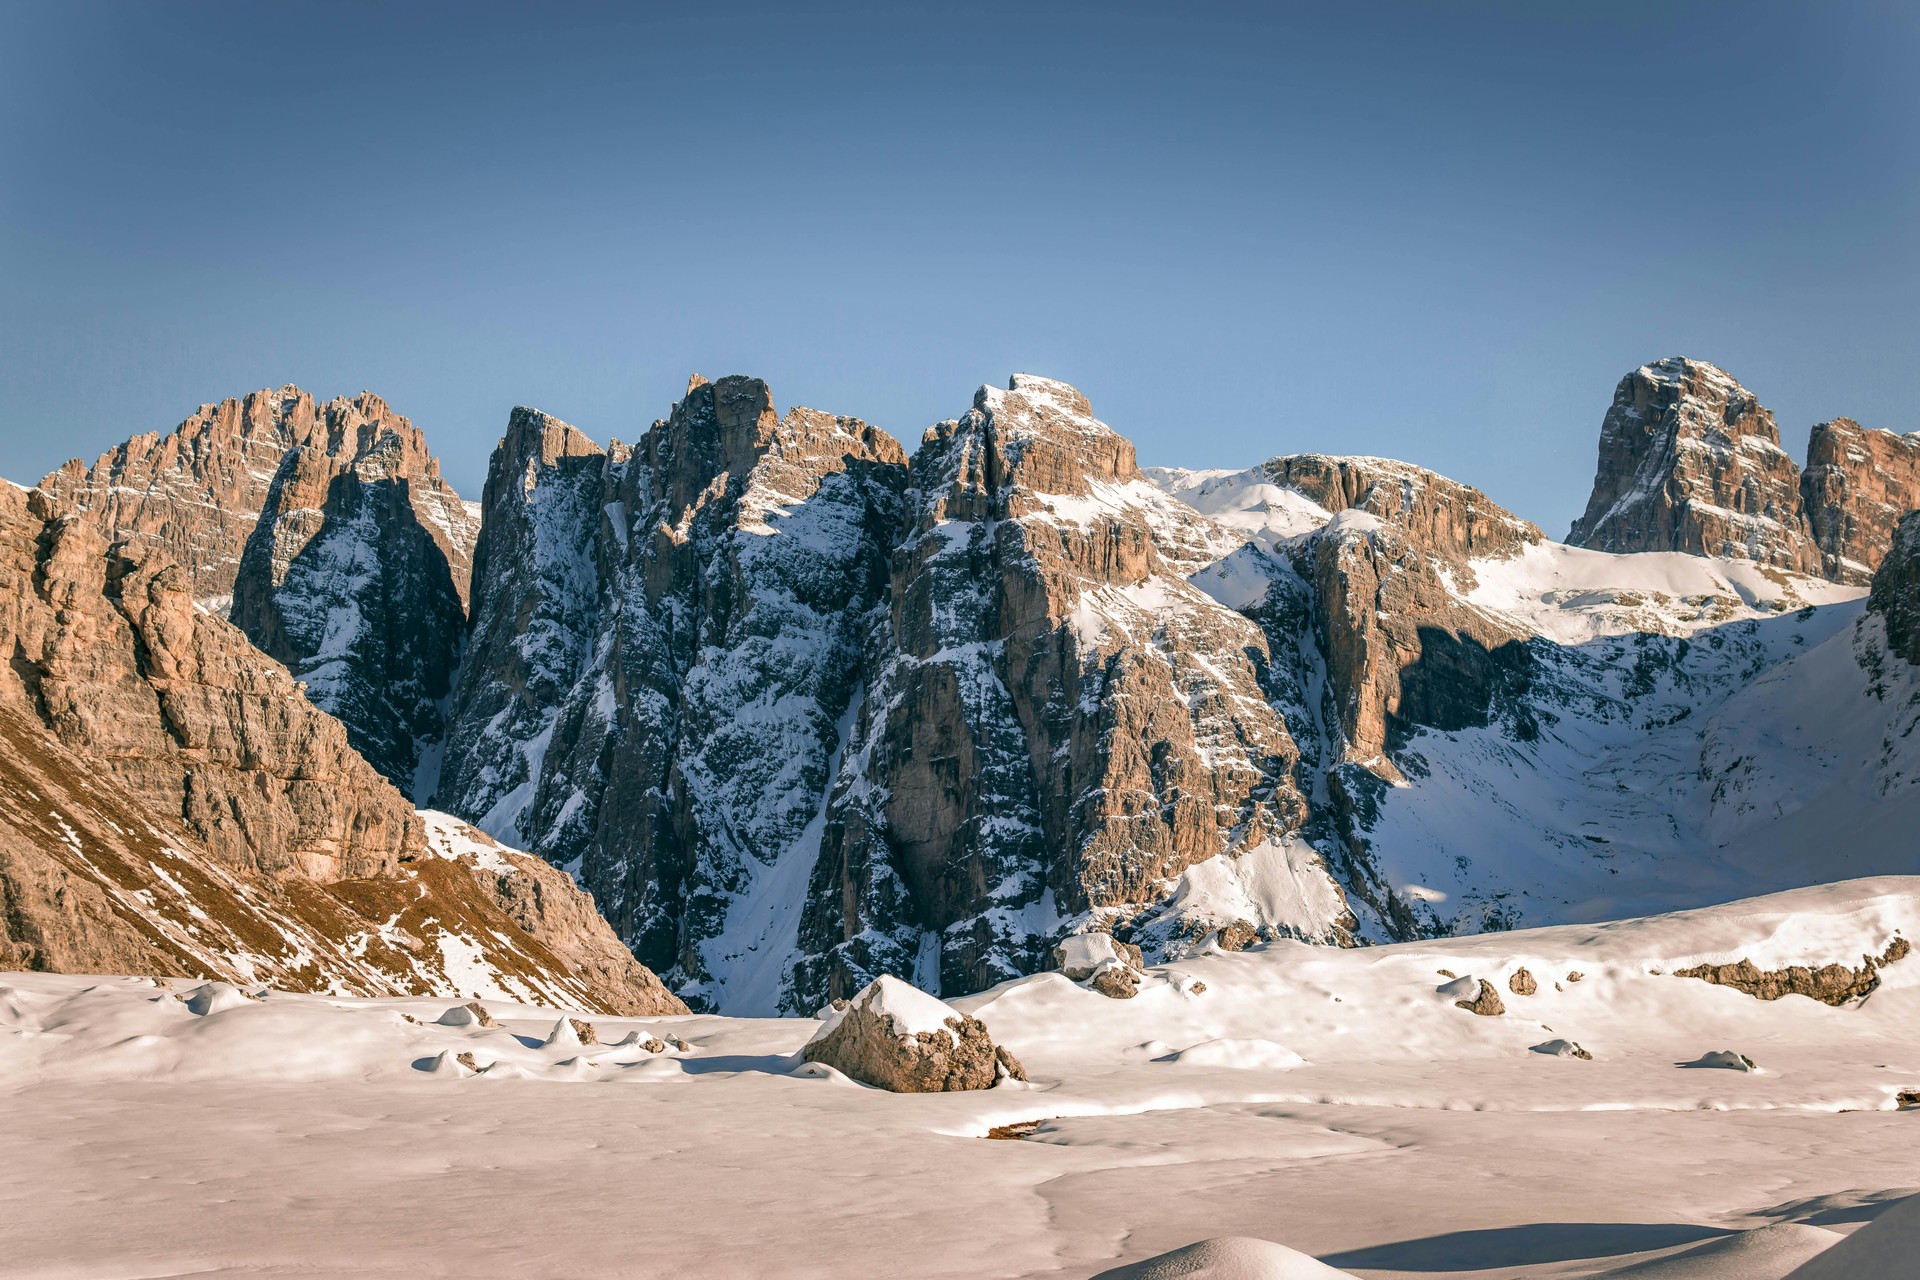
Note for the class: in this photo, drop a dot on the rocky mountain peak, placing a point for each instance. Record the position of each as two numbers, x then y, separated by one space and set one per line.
535 440
1691 461
1042 437
1450 519
1858 484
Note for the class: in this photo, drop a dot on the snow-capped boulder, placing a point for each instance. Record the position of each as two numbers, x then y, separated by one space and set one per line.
1475 995
896 1037
1561 1048
1105 964
1081 955
1723 1059
571 1033
470 1014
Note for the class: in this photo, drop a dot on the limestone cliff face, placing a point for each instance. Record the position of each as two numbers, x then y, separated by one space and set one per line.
667 640
1857 486
1056 723
328 533
1895 596
179 807
1690 461
1402 649
1444 516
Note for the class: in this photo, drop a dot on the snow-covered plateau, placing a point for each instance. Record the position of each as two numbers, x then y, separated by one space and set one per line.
1315 1102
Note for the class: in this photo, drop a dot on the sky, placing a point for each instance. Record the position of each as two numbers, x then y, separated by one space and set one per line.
1434 232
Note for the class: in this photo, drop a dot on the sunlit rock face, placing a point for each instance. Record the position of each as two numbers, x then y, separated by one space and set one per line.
1056 723
178 807
1691 461
1857 486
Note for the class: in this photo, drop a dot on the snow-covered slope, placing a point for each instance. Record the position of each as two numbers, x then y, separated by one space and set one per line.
1668 729
1337 1102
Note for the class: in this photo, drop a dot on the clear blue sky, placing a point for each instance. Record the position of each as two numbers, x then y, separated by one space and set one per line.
1437 232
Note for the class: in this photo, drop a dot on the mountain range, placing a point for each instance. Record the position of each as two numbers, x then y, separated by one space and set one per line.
797 707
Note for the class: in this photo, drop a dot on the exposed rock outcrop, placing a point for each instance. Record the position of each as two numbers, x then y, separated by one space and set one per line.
1402 649
178 808
897 1038
328 534
1857 486
1690 461
1834 984
1442 516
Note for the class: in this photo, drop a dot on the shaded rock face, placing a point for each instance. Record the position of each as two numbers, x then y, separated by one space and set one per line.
1895 596
1055 721
667 639
535 605
876 1046
1690 461
1858 485
328 533
180 809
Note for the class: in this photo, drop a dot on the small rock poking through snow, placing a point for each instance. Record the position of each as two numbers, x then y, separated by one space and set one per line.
1228 1258
1723 1058
571 1033
471 1014
896 1037
1475 995
1112 968
1563 1049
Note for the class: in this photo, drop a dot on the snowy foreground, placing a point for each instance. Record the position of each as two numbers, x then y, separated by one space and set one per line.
1336 1103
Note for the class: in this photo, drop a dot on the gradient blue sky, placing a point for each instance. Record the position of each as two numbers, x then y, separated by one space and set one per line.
1437 232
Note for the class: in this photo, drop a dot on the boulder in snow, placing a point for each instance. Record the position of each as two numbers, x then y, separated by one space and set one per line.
1522 983
1475 995
1726 1059
571 1033
896 1037
470 1014
1081 955
1108 966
